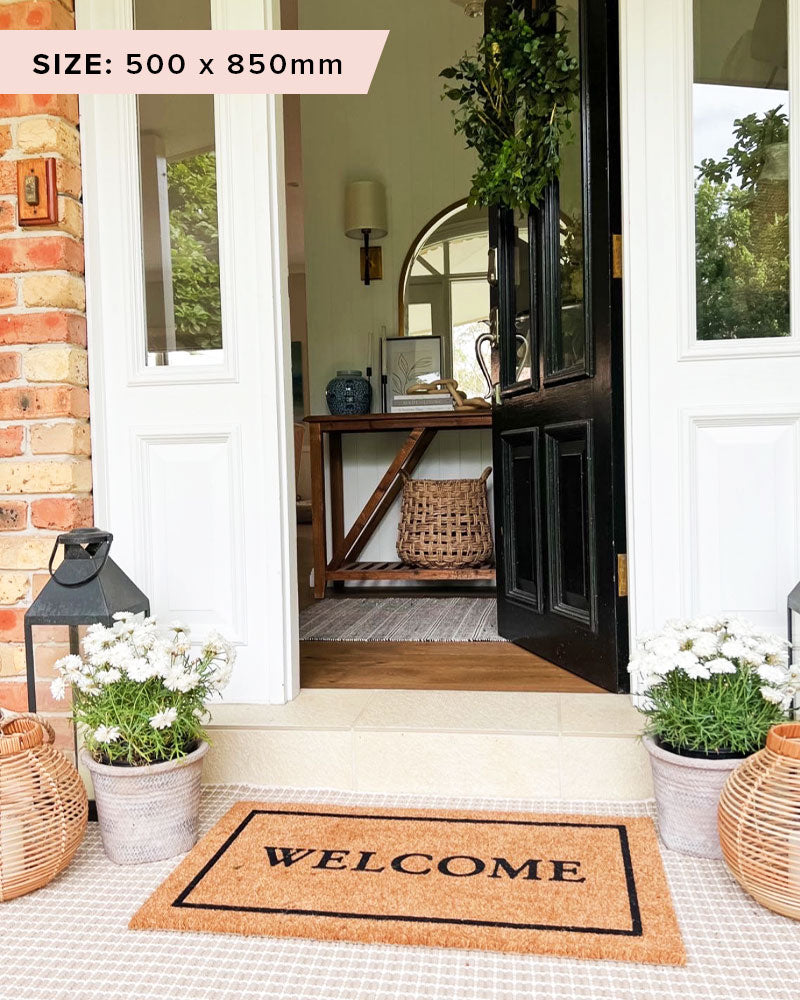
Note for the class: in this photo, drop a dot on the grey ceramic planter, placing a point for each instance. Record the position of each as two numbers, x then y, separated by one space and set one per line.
687 795
148 813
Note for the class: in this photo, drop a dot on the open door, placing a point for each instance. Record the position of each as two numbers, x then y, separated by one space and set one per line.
557 424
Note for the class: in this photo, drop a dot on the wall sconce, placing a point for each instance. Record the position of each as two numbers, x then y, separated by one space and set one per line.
365 217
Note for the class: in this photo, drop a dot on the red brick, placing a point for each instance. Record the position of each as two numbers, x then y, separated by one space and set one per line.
13 515
44 253
60 105
11 625
8 293
5 139
14 697
8 217
62 513
9 366
8 177
35 14
65 733
43 328
68 178
50 401
46 657
11 441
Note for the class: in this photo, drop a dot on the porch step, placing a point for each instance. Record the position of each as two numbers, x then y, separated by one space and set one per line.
491 744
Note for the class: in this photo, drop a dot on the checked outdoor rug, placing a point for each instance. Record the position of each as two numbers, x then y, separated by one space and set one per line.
580 886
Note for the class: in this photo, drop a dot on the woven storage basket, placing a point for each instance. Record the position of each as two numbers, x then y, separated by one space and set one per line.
43 806
444 523
759 822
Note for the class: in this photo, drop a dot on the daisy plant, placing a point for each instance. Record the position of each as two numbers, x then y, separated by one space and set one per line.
714 685
139 694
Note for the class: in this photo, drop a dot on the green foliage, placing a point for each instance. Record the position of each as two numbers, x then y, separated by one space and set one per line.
194 239
139 695
724 712
515 97
742 241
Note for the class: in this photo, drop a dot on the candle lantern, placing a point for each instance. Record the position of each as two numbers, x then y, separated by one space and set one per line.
793 608
87 588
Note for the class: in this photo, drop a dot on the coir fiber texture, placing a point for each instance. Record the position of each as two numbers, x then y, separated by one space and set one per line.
580 886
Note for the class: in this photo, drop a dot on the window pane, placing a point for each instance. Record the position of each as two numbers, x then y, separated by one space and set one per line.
469 254
567 343
420 319
179 208
741 157
469 306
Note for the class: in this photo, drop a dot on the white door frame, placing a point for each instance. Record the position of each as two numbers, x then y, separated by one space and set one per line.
254 253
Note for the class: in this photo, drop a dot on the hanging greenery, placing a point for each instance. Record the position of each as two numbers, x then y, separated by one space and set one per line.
515 98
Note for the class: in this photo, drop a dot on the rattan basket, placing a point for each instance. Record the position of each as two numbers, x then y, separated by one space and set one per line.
759 822
43 806
444 523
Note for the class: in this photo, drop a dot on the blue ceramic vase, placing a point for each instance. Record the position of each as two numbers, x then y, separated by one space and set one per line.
349 394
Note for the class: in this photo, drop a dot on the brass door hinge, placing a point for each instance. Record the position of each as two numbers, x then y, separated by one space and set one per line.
616 255
622 575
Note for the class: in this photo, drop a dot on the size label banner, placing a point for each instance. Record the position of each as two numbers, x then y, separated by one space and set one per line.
189 62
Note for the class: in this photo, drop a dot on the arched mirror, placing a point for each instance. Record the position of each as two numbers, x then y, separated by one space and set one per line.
444 290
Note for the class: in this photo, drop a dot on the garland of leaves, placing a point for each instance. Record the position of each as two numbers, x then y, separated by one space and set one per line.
515 97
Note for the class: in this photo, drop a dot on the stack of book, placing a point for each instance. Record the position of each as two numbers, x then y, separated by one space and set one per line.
429 402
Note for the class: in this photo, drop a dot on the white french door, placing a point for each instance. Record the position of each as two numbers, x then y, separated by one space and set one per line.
189 347
712 348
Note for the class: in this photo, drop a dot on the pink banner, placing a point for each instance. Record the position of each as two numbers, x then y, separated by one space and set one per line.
189 62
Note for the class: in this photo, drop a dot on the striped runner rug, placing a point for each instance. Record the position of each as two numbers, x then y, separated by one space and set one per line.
401 619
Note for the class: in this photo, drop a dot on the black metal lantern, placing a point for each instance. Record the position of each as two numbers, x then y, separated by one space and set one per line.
793 607
87 588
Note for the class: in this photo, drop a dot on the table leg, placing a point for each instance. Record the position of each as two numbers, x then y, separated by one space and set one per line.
337 489
318 515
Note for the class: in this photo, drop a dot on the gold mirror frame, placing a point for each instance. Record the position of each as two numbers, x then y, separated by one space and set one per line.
427 230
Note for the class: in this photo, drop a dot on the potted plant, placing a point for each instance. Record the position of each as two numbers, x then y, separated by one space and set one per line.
515 98
139 697
712 690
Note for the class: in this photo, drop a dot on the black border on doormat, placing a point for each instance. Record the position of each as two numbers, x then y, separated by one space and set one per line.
636 920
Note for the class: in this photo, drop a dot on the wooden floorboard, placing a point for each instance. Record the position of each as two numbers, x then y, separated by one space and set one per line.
426 666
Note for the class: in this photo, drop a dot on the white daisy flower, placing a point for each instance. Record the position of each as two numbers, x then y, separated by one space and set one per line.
58 688
164 719
772 675
772 695
107 734
720 665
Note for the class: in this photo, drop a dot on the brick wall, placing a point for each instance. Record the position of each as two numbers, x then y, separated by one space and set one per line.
45 469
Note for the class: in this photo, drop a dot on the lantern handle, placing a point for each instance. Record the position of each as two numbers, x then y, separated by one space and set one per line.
104 546
6 718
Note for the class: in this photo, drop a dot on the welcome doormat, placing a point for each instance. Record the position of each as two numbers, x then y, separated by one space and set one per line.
580 886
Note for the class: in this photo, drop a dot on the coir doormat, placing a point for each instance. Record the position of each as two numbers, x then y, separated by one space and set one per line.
580 886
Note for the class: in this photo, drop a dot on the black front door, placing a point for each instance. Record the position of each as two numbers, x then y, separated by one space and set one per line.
557 427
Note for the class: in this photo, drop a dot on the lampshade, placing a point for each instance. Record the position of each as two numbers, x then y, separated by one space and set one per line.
365 208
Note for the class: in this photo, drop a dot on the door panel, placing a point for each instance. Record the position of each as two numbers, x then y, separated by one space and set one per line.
557 428
189 352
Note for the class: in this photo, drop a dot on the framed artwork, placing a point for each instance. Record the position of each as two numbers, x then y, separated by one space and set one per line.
406 361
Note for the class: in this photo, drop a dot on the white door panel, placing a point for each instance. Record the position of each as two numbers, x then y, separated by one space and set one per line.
712 427
193 462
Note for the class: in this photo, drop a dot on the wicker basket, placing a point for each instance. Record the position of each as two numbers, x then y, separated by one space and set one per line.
43 806
759 822
444 523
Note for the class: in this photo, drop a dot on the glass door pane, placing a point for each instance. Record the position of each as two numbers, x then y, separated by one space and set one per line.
741 157
180 231
566 342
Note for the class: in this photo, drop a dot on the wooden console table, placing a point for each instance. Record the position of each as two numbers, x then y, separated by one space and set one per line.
421 429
